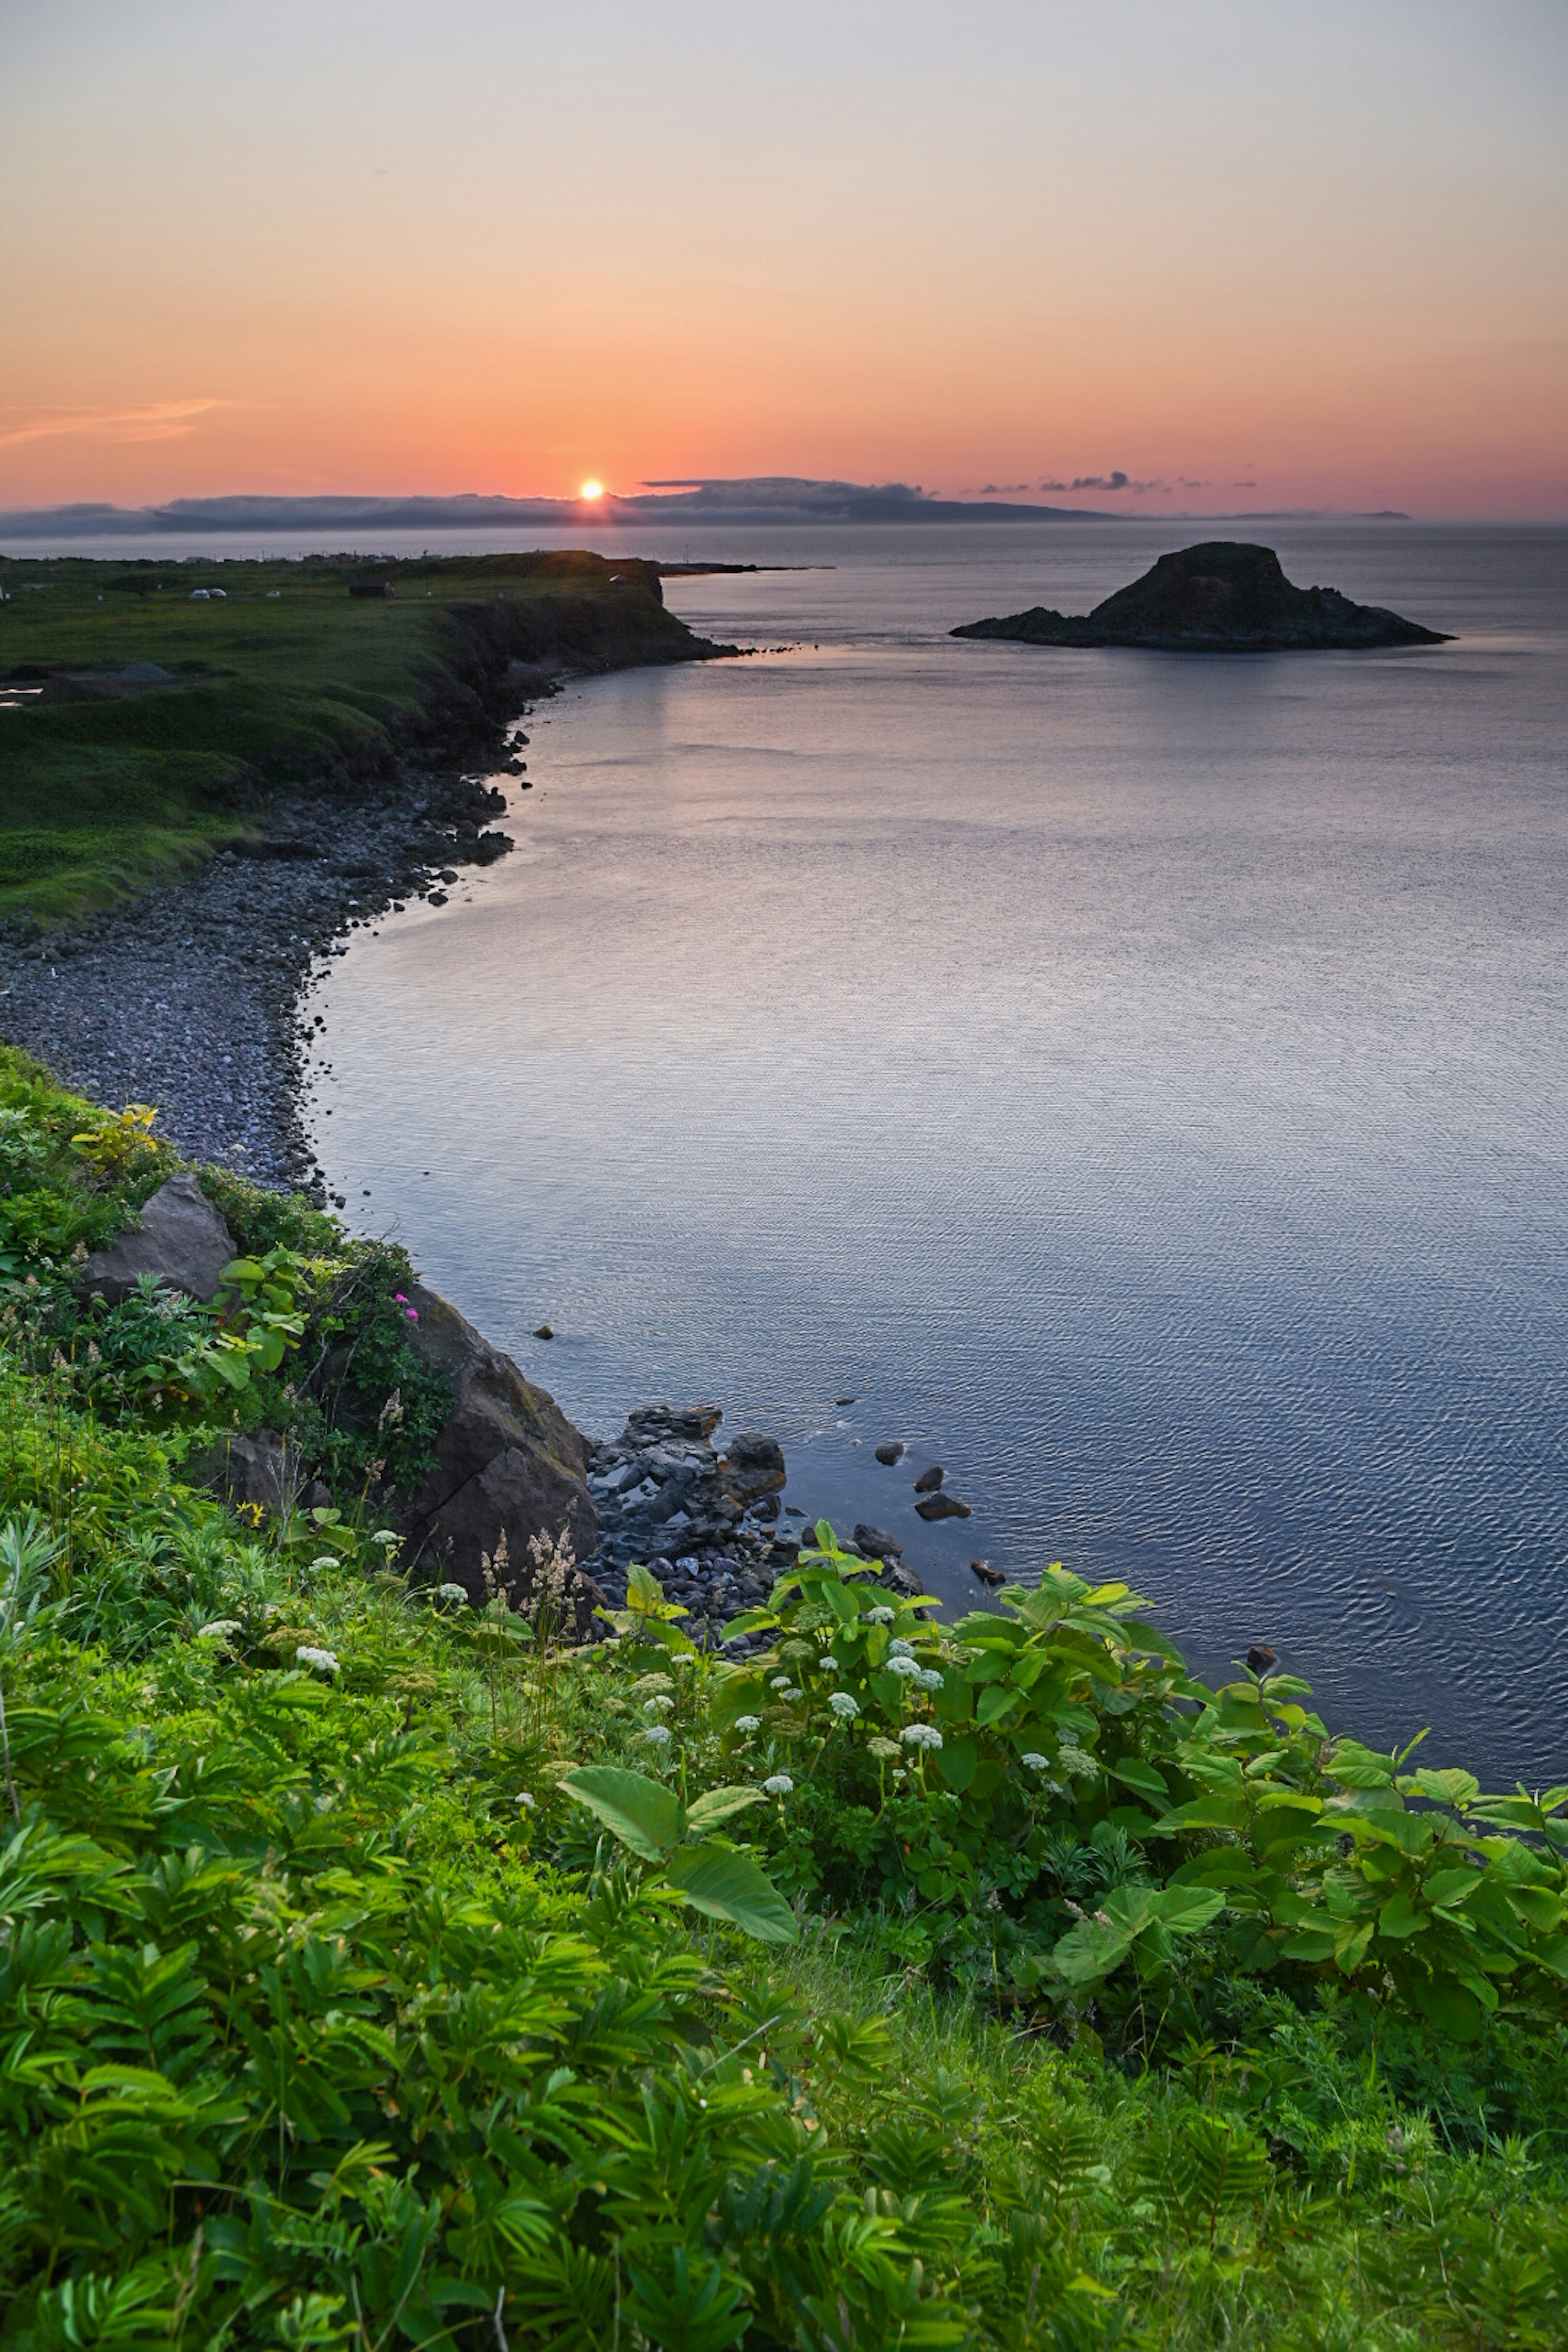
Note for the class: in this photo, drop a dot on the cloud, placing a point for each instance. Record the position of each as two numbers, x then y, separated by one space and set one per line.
160 420
1116 480
1002 489
1249 485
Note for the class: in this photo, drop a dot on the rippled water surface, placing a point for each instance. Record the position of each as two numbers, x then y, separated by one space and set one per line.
1139 1082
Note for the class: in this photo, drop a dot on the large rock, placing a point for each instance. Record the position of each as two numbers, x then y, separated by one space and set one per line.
508 1462
1225 596
877 1543
753 1466
181 1240
260 1469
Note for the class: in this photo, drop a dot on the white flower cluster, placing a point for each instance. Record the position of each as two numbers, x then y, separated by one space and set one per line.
324 1661
526 1799
898 1648
905 1665
846 1708
790 1692
219 1630
657 1734
1034 1762
660 1704
921 1734
1078 1762
778 1682
778 1784
828 1665
748 1723
451 1593
928 1678
880 1615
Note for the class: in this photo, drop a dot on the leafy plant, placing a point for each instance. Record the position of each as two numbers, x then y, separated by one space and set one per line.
707 1873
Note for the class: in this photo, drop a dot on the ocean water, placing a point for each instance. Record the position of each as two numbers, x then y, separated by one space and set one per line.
1139 1082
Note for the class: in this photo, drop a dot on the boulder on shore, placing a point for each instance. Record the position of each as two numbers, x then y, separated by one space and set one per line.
1225 597
508 1464
181 1241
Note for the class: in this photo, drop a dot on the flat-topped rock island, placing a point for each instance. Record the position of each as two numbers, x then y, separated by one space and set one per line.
1222 597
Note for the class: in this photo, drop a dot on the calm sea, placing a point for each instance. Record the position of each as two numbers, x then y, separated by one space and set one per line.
1139 1082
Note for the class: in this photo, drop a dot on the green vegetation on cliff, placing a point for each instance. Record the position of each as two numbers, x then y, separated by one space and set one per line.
367 1972
109 780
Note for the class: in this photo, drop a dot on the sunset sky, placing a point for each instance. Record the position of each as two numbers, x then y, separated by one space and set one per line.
1241 255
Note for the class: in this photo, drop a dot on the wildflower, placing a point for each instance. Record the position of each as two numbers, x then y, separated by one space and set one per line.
842 1706
219 1630
657 1734
684 1658
660 1704
778 1784
526 1799
1078 1762
928 1679
791 1692
1034 1762
778 1682
921 1734
324 1559
385 1538
451 1593
880 1615
898 1648
907 1667
324 1661
828 1664
748 1723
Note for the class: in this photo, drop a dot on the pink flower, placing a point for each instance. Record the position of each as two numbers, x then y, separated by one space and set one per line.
398 1299
413 1314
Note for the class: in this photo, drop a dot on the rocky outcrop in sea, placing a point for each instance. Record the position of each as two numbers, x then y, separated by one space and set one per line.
1225 597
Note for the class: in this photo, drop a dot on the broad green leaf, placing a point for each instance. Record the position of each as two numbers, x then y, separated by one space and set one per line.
724 1884
956 1762
995 1701
1446 1887
1449 2006
741 1692
1214 1812
1356 1767
1142 1779
843 1600
1450 1788
1399 1916
719 1804
642 1813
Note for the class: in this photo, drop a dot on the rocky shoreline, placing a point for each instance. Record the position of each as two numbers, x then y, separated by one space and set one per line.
190 998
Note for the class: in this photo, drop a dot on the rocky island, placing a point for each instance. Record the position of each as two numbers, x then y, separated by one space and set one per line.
1222 597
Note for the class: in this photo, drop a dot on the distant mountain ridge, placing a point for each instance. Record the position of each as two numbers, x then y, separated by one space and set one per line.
752 499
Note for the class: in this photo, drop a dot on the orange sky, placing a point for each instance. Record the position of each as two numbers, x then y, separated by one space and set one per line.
1258 257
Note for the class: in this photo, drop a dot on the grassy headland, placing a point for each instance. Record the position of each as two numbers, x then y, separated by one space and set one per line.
110 782
377 1970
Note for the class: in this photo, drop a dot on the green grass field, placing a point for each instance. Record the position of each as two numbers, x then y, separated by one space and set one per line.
106 787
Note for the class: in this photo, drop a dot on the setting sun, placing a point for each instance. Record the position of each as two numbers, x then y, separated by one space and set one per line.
592 490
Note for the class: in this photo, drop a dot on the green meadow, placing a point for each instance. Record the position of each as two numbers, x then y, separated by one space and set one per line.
109 785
